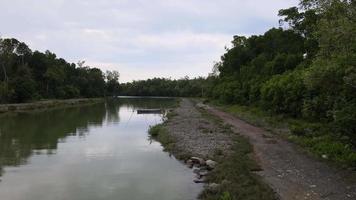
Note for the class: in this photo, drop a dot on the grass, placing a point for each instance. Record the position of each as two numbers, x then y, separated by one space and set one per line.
46 104
236 176
160 133
316 138
236 170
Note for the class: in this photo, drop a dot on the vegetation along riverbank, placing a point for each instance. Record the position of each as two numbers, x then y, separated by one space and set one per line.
39 105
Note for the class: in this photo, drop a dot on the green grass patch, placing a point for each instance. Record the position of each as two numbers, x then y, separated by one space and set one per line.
159 133
235 173
328 148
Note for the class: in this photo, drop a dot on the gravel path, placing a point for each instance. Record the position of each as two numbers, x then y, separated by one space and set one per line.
194 134
291 173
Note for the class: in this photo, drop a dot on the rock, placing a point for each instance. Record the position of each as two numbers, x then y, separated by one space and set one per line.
199 180
189 163
197 176
211 164
203 167
325 156
196 170
213 187
312 186
196 165
198 160
203 172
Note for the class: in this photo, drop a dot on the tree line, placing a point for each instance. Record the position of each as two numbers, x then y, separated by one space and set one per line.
305 71
26 76
183 87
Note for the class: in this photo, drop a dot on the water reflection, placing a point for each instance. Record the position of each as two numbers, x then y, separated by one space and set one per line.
24 134
92 152
27 133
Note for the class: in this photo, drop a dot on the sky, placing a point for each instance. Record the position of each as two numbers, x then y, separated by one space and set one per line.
139 38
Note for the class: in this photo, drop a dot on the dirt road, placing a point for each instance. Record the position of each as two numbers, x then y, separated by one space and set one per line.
291 173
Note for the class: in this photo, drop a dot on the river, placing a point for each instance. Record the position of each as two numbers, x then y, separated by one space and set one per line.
100 151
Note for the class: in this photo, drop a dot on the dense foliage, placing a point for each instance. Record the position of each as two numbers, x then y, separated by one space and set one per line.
26 75
166 87
306 71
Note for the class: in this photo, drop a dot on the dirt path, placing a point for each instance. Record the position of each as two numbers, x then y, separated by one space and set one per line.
292 174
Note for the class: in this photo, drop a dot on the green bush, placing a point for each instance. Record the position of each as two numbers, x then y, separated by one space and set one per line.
284 93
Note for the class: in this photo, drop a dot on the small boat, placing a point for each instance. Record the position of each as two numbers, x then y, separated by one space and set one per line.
149 111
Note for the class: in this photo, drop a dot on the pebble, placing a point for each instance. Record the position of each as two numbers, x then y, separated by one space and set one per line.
203 172
198 160
199 180
189 163
211 164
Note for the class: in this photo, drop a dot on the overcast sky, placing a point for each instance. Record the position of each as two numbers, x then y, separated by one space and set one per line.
139 38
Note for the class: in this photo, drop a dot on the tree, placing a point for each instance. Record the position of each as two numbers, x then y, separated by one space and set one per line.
112 83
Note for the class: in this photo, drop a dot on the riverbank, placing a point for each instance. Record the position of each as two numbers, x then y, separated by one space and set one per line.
288 169
46 104
192 134
249 158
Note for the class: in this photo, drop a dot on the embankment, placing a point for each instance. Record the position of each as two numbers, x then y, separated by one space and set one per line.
200 139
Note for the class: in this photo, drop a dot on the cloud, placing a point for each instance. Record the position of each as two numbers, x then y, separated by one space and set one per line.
140 38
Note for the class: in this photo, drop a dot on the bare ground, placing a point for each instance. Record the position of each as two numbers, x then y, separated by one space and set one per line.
291 173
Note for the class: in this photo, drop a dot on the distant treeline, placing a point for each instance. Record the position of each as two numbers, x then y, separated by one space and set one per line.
184 87
27 76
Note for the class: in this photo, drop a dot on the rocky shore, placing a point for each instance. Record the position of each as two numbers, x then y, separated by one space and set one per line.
208 146
196 134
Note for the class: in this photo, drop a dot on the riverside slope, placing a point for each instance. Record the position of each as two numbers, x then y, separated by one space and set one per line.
291 173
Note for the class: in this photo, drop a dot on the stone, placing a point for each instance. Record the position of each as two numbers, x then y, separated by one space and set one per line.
325 156
189 163
312 186
203 167
203 172
199 180
211 164
198 160
196 170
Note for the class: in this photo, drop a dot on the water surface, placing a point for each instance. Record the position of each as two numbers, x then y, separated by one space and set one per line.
94 152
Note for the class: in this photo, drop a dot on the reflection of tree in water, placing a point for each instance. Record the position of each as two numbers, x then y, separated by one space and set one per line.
112 111
136 103
23 133
40 132
113 106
